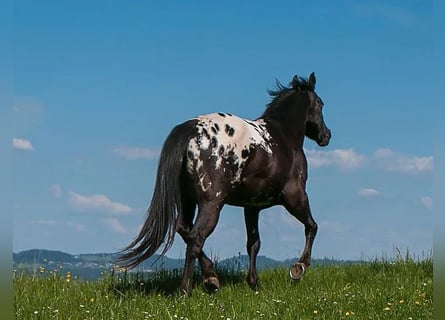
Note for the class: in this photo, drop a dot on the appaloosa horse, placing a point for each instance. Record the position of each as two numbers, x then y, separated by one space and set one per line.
218 159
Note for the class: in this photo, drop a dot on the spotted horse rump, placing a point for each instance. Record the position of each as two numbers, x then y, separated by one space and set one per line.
218 159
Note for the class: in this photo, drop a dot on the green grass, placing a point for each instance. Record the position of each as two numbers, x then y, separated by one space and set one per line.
377 290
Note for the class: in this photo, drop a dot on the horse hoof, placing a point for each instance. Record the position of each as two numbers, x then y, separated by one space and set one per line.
184 293
297 271
185 290
254 287
211 284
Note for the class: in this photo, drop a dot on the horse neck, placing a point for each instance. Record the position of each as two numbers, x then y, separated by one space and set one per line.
290 118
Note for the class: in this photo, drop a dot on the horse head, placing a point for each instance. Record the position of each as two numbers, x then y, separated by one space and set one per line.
316 128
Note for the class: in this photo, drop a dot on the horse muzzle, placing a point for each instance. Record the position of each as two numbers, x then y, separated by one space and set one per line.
324 138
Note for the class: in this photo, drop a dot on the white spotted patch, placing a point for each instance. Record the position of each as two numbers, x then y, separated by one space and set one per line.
228 139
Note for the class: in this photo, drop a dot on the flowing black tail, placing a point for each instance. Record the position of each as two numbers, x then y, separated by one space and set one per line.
161 215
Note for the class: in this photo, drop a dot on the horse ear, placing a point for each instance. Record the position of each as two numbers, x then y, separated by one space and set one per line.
312 81
295 82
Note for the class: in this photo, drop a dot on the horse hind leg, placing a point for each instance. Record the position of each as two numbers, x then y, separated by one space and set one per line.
210 278
194 236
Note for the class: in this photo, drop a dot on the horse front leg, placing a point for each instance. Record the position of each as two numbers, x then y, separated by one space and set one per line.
299 208
253 244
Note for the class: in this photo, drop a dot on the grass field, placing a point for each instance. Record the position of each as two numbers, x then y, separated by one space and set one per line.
376 290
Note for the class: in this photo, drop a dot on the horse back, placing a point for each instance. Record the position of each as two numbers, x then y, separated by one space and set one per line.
234 160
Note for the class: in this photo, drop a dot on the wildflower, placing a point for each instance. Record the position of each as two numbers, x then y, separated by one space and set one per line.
417 303
349 313
387 309
402 301
68 277
315 311
92 300
36 312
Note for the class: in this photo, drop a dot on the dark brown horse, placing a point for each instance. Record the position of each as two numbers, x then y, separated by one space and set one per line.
218 159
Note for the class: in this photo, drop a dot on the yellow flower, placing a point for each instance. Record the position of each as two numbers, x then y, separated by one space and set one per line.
68 277
315 311
402 301
92 300
387 309
417 302
349 313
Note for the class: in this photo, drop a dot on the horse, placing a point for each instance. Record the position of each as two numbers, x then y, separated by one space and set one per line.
220 158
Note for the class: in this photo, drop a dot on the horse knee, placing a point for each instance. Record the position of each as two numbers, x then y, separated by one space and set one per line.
311 227
253 246
193 248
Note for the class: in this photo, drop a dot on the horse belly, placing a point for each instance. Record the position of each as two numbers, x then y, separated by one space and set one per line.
245 198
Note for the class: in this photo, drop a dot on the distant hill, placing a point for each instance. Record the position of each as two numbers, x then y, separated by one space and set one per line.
92 266
41 256
45 257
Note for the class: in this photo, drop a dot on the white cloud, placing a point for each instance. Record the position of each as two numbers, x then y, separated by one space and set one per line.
43 222
115 225
22 144
383 153
394 161
135 153
98 202
27 105
56 190
77 226
340 158
427 202
368 192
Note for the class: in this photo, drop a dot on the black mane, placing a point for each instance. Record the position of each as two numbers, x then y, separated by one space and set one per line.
281 92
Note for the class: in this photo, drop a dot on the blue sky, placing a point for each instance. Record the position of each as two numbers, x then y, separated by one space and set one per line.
98 86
